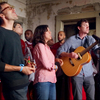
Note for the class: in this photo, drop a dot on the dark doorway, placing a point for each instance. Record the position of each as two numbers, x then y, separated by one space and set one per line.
70 26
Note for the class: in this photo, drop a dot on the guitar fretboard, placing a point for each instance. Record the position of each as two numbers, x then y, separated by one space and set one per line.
87 49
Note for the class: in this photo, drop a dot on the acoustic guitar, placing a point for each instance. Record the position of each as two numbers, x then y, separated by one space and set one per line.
72 66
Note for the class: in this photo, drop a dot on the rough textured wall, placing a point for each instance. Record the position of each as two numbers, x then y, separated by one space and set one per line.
44 13
20 7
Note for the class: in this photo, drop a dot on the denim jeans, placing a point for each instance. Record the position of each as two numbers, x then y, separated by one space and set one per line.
45 91
20 94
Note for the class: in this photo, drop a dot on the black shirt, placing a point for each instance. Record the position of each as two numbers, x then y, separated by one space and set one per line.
11 53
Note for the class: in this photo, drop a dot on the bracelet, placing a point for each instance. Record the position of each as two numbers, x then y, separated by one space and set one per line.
22 65
56 67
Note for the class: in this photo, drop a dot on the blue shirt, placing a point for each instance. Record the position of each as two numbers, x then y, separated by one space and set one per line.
74 42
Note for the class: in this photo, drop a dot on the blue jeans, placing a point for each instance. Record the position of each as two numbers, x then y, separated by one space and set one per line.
20 94
45 91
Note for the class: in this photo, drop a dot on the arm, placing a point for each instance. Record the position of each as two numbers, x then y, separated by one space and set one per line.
5 58
60 61
70 55
64 54
44 56
26 70
64 51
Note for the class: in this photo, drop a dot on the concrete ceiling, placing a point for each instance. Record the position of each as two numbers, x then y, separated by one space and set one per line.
35 1
41 1
22 1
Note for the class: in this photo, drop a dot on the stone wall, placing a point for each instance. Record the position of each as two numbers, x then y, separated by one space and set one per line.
45 12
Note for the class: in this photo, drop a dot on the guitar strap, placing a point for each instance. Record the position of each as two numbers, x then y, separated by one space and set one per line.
86 42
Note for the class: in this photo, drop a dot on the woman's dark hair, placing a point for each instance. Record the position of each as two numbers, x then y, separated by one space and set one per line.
39 34
1 20
79 24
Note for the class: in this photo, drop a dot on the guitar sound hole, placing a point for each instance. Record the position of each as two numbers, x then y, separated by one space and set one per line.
78 58
71 62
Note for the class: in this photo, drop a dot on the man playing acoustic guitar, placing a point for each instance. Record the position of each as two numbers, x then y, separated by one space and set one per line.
77 61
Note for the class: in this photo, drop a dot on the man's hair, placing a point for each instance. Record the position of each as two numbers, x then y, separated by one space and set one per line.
1 20
29 30
79 23
63 32
15 23
2 3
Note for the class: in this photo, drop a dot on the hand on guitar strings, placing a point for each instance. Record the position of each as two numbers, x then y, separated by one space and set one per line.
73 55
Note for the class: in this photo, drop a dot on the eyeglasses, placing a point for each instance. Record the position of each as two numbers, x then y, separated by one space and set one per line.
10 8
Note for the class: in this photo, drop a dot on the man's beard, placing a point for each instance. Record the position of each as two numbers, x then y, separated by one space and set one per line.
61 40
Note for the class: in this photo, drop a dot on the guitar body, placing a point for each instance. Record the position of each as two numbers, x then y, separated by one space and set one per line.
74 68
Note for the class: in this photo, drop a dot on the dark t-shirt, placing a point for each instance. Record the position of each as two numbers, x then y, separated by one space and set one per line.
11 53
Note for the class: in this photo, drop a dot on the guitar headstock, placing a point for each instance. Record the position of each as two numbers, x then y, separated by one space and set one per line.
96 38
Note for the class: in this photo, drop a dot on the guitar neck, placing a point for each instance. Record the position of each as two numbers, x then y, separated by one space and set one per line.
87 49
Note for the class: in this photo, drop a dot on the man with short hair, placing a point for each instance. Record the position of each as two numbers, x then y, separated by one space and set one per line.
14 75
29 37
84 76
28 43
61 40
